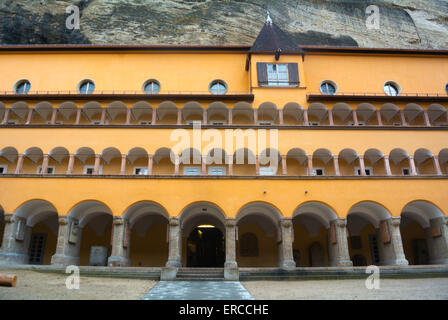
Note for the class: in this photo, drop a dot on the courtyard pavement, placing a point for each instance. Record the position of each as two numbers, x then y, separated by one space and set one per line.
198 290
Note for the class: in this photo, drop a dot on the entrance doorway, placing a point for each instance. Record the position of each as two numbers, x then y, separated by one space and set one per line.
205 247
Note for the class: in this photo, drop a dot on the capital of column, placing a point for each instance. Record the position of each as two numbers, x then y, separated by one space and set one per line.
285 222
340 222
231 222
9 218
395 221
174 221
118 220
63 220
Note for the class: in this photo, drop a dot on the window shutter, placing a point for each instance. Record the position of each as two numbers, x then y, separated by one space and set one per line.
293 70
262 72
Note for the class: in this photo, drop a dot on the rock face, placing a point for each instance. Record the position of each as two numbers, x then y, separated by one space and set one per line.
402 23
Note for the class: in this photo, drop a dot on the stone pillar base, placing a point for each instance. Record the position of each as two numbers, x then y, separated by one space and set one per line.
287 264
439 261
394 262
231 272
173 264
341 263
168 274
63 260
117 261
13 258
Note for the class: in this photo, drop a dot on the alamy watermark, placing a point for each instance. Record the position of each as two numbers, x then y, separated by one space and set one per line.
72 21
72 282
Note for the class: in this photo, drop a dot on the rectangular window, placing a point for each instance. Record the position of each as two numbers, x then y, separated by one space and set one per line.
91 169
98 122
405 171
278 74
56 122
266 123
37 248
140 170
268 171
374 252
218 122
217 171
314 123
192 171
145 123
369 171
3 169
50 170
12 122
360 123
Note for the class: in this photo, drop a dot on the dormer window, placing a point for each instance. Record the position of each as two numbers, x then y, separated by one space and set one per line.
278 74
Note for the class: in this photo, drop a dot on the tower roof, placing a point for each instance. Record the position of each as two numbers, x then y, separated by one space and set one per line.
271 38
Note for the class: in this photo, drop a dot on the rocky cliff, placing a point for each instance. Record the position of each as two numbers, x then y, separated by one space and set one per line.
402 23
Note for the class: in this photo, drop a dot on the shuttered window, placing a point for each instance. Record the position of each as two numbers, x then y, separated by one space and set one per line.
278 74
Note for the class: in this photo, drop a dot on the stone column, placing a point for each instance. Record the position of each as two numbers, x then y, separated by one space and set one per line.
305 118
96 168
390 245
16 241
280 116
19 164
230 120
337 171
68 243
128 116
123 165
154 116
437 165
437 239
330 117
30 116
204 116
338 254
286 258
6 116
255 116
355 118
176 165
103 117
378 117
230 266
412 165
362 166
403 119
426 117
204 165
78 116
230 164
175 244
310 165
150 163
387 166
179 116
257 165
44 164
120 243
284 166
71 162
53 116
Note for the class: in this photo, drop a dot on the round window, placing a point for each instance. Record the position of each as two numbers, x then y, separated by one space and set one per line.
218 87
151 87
446 88
391 88
328 87
22 87
86 87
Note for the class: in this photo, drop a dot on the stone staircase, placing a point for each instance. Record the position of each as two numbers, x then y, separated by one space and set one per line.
200 274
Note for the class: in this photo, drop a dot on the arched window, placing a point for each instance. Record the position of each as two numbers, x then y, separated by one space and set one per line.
151 87
391 88
249 245
218 87
22 87
86 86
328 87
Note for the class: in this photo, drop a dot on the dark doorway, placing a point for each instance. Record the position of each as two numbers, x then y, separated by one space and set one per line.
205 248
421 255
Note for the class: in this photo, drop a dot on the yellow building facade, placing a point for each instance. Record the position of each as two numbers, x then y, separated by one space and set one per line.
274 155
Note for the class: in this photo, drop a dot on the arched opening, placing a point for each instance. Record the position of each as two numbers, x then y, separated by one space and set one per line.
368 242
141 113
18 113
2 225
116 112
423 232
44 110
390 115
84 162
349 163
67 112
322 163
192 111
167 113
443 160
203 236
92 112
257 234
244 162
217 113
296 162
242 113
36 232
111 161
292 113
8 160
90 233
311 223
32 160
163 162
414 114
138 158
317 114
267 113
58 160
342 114
438 115
424 162
147 242
190 161
400 164
216 161
374 159
366 114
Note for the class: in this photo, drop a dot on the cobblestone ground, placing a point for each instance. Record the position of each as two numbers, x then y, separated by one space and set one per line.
390 289
51 286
